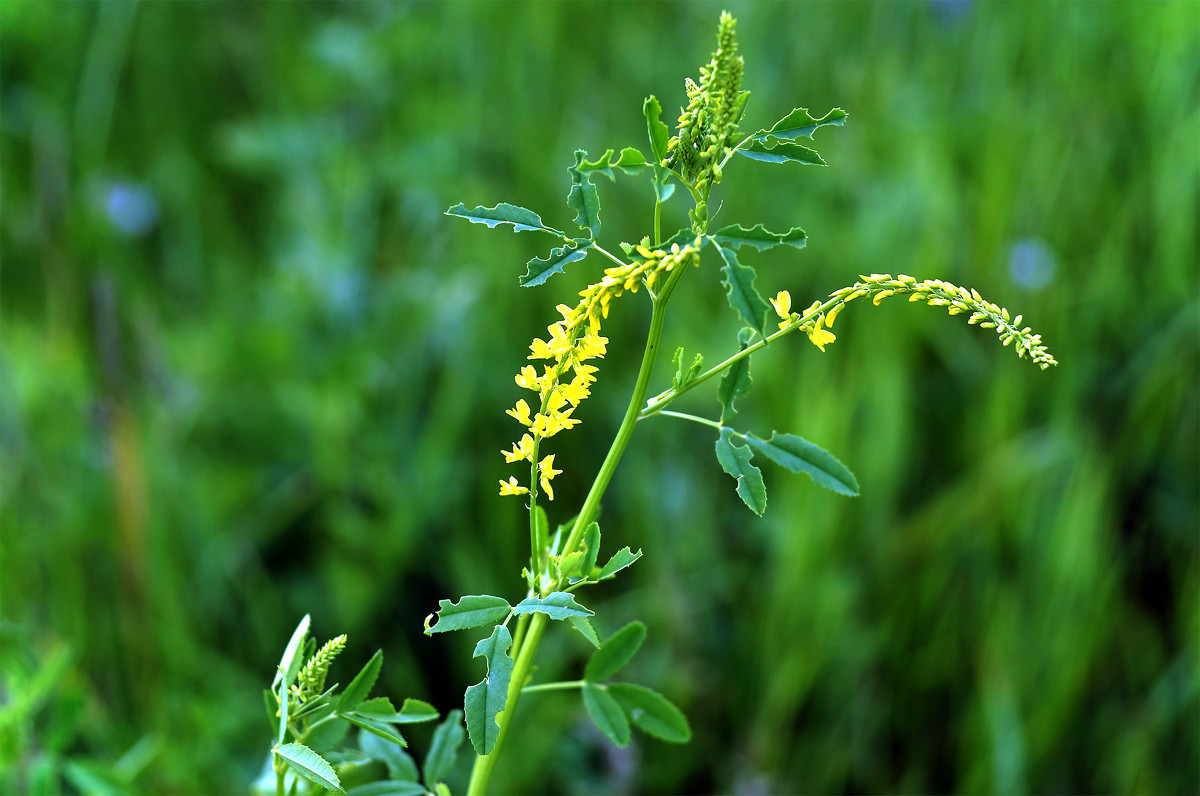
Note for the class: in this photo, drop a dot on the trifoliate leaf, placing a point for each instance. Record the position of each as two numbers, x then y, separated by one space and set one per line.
583 197
621 559
361 685
310 765
556 605
736 380
652 712
474 610
522 220
738 280
539 269
487 698
607 714
444 748
735 460
735 236
773 150
799 123
801 456
617 650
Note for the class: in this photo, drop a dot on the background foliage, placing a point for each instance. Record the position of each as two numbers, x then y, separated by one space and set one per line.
250 371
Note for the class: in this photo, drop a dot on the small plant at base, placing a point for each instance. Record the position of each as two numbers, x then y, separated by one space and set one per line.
564 562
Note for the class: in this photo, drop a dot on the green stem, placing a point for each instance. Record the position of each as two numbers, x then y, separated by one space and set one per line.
660 402
701 420
481 775
591 504
560 686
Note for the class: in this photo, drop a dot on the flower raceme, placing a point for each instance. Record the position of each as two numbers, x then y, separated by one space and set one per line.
934 292
565 379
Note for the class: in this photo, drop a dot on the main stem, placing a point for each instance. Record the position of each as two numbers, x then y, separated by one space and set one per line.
481 775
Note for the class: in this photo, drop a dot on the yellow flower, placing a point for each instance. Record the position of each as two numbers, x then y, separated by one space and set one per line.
818 335
510 487
521 450
528 378
520 412
783 304
539 350
546 473
574 392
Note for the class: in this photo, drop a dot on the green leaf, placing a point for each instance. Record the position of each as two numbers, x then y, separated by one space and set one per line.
289 664
615 652
310 765
400 766
415 711
380 709
801 456
620 559
583 197
388 787
799 123
361 685
571 564
736 379
630 161
652 712
735 236
539 269
682 376
442 750
607 714
522 220
271 700
772 150
487 698
659 134
474 610
585 627
735 460
371 725
741 293
591 540
556 605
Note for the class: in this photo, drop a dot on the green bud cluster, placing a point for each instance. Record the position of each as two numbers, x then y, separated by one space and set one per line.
708 126
312 677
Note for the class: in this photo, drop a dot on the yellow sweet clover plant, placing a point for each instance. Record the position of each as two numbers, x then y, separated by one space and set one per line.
561 373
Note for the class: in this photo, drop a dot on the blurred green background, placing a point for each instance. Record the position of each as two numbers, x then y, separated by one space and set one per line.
251 371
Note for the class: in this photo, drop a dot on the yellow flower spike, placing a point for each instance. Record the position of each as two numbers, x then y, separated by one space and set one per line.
520 412
546 473
833 313
539 350
782 304
511 487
